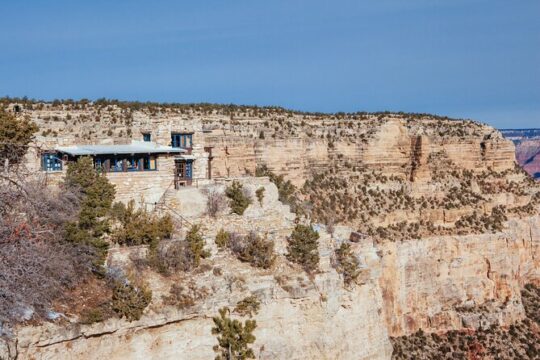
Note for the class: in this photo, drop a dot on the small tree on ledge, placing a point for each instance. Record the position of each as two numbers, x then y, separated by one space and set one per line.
303 247
239 200
233 337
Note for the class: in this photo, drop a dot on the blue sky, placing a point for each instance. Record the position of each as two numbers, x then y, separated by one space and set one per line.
476 59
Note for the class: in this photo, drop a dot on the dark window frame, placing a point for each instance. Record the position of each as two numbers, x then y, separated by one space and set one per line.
125 163
55 164
182 140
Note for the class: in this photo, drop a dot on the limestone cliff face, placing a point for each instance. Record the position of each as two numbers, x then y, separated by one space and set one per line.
346 326
393 146
440 254
448 283
300 317
438 284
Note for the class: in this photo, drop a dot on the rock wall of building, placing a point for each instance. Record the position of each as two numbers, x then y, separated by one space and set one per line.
144 187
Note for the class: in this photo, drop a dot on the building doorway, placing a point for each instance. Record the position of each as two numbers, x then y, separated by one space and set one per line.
183 173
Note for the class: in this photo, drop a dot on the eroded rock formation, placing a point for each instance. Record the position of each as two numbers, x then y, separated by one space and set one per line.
450 234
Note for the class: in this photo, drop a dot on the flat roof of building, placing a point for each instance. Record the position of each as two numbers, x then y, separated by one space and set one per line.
136 147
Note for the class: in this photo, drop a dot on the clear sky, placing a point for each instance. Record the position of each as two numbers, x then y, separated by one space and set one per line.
476 59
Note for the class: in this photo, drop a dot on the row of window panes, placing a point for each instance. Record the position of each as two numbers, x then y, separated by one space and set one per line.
182 140
125 163
52 162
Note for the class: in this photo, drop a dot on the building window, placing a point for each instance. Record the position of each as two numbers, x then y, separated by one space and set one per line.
121 163
51 162
149 163
147 137
182 140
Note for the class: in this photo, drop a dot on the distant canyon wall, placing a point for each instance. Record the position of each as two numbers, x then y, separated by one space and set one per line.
391 149
455 282
527 142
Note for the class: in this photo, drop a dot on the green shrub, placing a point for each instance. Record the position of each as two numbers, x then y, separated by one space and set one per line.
139 227
253 249
97 314
347 263
249 306
99 247
303 247
81 173
196 245
260 194
15 135
92 316
239 201
185 296
233 337
130 298
222 239
98 194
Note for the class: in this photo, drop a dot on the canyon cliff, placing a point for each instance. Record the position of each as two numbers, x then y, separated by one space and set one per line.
527 142
444 224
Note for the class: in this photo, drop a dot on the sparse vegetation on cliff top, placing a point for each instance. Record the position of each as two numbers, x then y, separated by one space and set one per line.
227 109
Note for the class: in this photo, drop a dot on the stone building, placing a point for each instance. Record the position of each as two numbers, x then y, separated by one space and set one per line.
142 169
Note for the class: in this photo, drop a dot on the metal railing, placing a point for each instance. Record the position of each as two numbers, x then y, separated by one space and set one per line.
161 205
182 220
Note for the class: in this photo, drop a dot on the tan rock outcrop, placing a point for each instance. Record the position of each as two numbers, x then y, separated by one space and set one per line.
435 283
297 320
430 284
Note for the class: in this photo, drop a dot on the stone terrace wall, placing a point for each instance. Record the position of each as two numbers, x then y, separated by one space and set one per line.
144 186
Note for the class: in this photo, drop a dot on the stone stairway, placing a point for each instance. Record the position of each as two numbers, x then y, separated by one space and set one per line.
168 205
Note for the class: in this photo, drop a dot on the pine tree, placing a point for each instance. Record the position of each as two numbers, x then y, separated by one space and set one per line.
15 135
196 245
233 337
347 263
303 247
239 201
98 194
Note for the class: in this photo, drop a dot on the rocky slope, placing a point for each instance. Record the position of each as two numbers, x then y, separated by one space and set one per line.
518 341
449 229
435 284
297 319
